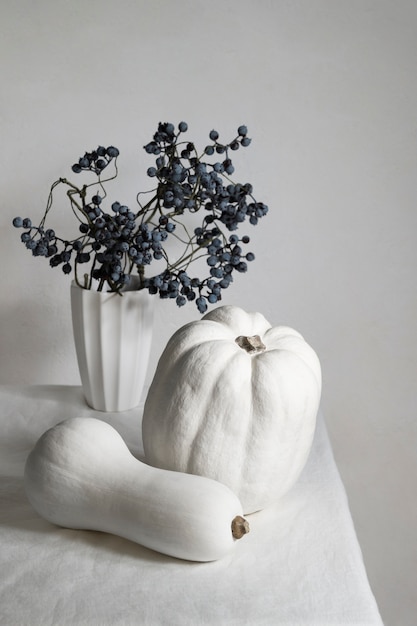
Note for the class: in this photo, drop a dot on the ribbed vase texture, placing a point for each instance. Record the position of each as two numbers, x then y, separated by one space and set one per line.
113 335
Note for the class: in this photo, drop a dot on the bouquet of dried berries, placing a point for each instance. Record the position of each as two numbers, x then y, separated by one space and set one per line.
114 248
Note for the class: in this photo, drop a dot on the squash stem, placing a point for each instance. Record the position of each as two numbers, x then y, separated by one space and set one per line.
251 345
240 527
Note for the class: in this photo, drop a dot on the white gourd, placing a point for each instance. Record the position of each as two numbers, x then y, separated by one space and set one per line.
236 400
81 475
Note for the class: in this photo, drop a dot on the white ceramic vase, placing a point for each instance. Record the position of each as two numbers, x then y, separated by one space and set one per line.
113 335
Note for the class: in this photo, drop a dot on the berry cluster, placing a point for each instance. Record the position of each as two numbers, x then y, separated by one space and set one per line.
120 243
96 161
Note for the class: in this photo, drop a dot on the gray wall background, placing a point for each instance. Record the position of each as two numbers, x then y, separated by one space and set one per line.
328 91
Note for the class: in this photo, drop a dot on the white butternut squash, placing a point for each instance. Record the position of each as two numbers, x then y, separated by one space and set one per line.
81 475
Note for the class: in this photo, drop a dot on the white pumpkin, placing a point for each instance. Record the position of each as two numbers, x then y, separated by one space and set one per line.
236 400
81 475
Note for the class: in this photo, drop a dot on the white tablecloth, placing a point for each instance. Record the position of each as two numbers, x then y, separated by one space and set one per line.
300 564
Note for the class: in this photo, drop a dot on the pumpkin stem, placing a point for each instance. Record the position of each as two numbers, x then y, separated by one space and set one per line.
240 527
252 345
